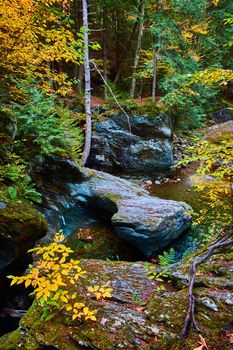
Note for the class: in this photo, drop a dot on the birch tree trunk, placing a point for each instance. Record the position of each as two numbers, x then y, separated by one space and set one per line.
80 77
87 74
154 78
137 53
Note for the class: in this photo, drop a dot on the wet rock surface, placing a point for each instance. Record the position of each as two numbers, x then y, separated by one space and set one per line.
139 315
142 145
149 223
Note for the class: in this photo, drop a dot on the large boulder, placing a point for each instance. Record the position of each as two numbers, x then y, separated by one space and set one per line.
140 145
141 314
223 114
20 226
149 223
220 132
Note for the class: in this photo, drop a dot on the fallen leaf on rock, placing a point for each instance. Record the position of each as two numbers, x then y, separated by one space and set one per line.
202 343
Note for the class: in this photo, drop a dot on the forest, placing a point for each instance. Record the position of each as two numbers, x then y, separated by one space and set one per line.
116 169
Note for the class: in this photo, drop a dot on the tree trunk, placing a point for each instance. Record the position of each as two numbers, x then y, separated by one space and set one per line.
124 56
105 51
77 16
154 78
87 145
80 77
137 53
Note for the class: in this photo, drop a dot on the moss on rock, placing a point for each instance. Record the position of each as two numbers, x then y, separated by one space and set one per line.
20 226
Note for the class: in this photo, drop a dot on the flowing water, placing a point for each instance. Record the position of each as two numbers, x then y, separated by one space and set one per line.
180 188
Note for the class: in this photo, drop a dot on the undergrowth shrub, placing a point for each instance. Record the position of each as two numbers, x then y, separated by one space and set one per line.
213 180
15 184
54 278
46 126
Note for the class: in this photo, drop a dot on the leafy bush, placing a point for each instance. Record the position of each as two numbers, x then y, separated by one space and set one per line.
15 183
189 104
47 127
54 278
213 179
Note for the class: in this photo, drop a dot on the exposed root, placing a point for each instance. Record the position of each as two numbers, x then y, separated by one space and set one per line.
224 240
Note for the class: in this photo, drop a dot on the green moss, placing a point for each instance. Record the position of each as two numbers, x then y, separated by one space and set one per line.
112 197
22 220
10 341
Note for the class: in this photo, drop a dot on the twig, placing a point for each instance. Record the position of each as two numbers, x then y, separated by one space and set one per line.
221 242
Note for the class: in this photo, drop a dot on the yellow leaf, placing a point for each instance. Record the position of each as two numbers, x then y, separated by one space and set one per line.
85 310
93 318
27 283
64 299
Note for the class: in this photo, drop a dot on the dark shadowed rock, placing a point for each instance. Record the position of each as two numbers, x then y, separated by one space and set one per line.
223 114
149 223
8 129
147 149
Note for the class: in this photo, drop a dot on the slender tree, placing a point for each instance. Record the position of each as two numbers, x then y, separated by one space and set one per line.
105 49
154 77
138 48
87 74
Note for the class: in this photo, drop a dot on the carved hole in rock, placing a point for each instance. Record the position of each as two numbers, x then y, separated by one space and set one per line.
90 232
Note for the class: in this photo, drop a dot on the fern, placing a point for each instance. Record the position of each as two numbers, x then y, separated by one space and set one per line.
29 193
167 258
50 128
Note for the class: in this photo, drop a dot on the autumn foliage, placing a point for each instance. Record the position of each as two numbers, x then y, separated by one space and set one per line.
52 277
34 35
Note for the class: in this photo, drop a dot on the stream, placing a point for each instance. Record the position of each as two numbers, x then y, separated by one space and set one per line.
179 188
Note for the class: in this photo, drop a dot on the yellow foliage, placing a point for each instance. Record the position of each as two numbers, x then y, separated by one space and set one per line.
215 161
32 36
200 28
215 76
187 35
51 276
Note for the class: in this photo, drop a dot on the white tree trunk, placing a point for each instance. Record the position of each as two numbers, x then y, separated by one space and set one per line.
87 145
138 48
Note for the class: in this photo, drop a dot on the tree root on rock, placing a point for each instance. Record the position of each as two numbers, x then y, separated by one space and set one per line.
224 240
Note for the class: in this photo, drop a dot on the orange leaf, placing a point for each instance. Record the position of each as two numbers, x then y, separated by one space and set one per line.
203 345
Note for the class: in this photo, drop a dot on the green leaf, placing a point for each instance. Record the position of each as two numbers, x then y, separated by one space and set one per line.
12 192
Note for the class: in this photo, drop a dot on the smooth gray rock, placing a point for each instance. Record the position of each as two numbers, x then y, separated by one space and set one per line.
147 149
149 223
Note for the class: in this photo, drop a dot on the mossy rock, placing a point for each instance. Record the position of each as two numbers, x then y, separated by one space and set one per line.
138 315
20 226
